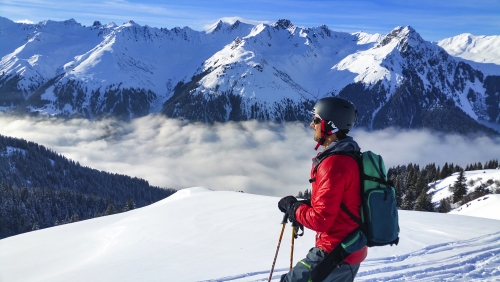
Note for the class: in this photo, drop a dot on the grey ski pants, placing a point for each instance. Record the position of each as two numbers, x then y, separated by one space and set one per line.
301 271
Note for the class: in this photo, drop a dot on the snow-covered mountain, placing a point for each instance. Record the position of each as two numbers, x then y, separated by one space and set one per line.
237 71
480 49
128 70
201 235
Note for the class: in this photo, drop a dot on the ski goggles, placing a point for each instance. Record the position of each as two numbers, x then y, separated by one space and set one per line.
316 120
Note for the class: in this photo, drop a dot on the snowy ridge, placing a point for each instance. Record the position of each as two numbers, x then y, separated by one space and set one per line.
203 235
481 49
302 53
239 71
482 52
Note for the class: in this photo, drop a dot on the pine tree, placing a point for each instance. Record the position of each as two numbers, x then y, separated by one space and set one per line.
398 185
444 206
110 210
74 218
421 184
300 195
424 202
409 199
460 187
307 194
444 171
129 205
438 174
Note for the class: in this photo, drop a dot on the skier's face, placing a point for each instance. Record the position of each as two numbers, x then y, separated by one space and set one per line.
316 125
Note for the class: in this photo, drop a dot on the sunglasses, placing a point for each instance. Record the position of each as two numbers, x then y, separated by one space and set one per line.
316 120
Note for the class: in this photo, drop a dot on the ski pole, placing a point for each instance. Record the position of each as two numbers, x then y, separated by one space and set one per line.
285 218
291 252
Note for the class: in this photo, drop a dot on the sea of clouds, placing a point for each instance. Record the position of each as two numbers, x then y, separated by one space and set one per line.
254 157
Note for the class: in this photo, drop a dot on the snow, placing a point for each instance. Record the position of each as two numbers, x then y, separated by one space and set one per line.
267 62
440 188
481 49
253 66
485 206
203 235
109 56
10 150
481 52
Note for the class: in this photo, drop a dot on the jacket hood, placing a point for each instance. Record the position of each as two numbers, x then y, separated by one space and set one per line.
344 145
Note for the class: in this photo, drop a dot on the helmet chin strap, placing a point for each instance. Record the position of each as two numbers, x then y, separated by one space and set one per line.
324 134
320 142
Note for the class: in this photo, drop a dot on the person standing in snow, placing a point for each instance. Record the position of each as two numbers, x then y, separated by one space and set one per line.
335 181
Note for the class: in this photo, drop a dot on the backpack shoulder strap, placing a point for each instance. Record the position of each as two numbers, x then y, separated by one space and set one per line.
358 157
352 216
355 155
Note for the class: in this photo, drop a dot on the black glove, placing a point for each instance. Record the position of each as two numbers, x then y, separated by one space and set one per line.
286 203
289 205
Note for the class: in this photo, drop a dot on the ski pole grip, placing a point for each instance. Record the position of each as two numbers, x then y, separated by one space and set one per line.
285 218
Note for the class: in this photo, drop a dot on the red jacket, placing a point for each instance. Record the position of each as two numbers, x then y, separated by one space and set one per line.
337 181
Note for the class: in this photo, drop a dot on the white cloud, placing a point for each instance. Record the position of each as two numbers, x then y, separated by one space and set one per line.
261 158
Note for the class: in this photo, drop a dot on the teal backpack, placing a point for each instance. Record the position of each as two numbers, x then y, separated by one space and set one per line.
379 222
379 214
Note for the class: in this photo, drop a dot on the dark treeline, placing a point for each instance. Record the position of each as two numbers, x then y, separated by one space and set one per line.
40 188
412 184
23 209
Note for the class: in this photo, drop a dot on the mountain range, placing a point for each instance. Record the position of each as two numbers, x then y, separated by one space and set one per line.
236 71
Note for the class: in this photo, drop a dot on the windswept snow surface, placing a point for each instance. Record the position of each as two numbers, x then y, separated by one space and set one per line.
203 235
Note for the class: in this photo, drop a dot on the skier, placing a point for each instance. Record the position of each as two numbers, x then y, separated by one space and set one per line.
335 181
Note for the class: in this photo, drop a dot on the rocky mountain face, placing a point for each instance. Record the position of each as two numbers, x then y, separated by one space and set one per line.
236 71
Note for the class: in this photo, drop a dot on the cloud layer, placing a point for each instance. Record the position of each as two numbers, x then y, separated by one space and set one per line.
260 158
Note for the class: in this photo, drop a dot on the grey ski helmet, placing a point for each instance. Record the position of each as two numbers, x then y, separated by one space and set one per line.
340 111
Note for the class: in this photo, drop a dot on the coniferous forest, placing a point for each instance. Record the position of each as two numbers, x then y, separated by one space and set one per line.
412 184
40 188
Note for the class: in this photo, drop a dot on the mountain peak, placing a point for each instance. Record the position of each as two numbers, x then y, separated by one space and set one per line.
216 27
130 23
224 25
401 34
70 22
283 24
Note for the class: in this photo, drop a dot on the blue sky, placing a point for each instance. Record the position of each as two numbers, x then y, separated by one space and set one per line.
433 19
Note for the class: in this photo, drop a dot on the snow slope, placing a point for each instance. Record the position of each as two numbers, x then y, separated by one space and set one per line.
481 49
481 52
201 235
485 206
440 190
